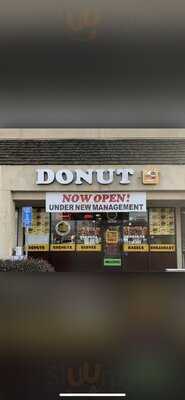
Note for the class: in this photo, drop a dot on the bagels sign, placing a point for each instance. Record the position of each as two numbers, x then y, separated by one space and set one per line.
95 202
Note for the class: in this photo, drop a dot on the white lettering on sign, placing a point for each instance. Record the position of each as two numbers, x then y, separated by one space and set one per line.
124 175
86 176
45 176
64 177
95 202
105 177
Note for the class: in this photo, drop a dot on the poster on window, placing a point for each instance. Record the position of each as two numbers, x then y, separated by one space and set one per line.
135 238
37 238
162 221
88 236
62 233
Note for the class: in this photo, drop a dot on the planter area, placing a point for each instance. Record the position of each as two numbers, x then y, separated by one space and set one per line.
25 265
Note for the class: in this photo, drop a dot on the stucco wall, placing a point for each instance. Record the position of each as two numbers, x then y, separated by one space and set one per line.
91 133
7 224
23 178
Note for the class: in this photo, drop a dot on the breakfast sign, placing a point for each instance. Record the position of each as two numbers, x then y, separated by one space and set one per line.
95 202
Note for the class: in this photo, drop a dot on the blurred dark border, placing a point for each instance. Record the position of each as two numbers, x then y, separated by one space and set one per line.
126 330
114 81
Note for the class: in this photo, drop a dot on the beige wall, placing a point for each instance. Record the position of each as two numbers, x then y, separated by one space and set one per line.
23 179
7 224
91 133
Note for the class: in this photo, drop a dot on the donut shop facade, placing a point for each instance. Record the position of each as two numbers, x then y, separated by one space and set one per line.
95 217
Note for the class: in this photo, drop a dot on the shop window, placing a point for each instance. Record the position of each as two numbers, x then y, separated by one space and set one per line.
37 237
62 232
89 235
183 234
17 225
162 229
135 233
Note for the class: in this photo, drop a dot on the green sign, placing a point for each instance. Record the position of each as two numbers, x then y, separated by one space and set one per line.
112 262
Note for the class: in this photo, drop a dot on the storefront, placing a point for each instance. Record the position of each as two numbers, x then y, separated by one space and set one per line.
95 217
104 241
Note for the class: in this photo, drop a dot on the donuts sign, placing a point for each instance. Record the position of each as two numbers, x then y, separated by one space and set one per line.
95 202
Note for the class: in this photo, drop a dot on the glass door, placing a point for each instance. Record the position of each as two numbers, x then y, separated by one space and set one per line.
112 239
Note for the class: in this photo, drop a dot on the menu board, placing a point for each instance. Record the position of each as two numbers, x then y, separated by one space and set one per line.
162 221
37 237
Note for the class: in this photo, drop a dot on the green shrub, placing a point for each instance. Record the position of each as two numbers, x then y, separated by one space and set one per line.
27 265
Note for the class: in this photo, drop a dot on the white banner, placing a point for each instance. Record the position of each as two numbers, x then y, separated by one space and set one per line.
95 202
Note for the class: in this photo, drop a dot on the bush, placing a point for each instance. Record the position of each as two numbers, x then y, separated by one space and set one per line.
27 265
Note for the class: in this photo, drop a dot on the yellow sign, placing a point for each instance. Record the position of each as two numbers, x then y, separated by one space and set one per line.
136 248
90 247
63 247
151 176
38 247
112 236
163 247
